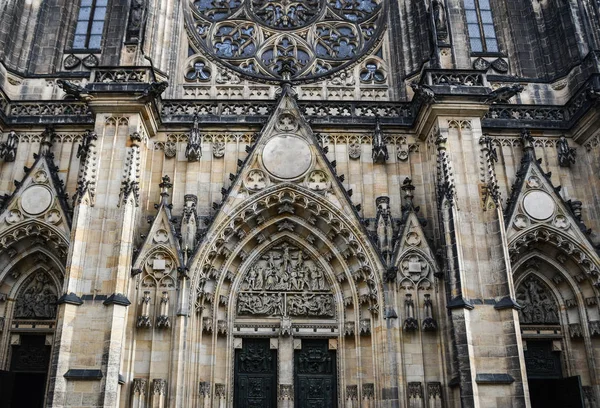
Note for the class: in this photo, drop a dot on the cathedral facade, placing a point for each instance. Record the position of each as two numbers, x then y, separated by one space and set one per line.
299 203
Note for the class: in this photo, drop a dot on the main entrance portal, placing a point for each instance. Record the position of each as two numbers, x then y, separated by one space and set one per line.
255 375
547 387
315 375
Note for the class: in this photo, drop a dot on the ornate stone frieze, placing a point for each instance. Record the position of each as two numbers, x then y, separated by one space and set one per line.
368 391
538 303
415 390
285 282
140 386
575 330
37 299
434 390
204 388
352 392
220 391
159 386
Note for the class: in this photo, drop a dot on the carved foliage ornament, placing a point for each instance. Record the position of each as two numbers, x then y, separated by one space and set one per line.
285 282
300 40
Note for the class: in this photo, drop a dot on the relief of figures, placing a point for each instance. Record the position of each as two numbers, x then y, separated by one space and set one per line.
38 300
285 282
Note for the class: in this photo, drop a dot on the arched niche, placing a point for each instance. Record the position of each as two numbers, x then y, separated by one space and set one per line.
560 308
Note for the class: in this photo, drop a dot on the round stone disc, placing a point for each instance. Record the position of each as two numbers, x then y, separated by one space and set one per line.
287 157
36 199
539 205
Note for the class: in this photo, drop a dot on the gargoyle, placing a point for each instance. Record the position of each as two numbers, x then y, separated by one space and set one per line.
154 90
503 94
423 93
74 90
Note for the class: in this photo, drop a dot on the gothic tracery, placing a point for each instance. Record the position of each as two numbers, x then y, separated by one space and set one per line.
268 39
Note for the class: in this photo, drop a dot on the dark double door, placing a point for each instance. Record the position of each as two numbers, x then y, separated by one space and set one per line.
25 384
315 370
315 377
547 387
255 375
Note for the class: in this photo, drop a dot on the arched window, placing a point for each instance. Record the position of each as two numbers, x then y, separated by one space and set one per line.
90 24
480 25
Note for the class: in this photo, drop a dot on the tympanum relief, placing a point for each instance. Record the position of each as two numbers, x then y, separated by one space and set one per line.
285 282
37 299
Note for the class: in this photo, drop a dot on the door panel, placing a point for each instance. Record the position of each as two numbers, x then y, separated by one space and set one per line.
315 375
255 375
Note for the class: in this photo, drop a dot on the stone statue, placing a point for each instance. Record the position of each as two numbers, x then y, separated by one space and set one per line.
193 151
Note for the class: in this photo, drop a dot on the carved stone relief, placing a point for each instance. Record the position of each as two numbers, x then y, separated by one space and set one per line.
538 304
285 282
37 299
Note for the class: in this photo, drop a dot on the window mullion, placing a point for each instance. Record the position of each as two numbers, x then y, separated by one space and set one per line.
480 22
90 24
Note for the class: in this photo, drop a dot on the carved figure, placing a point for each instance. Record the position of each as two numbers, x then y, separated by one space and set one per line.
193 151
8 149
379 152
384 227
566 154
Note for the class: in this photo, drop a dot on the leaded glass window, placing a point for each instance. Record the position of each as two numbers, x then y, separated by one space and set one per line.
480 25
90 24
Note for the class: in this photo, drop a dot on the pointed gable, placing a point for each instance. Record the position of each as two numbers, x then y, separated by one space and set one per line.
286 152
413 257
38 205
162 235
536 204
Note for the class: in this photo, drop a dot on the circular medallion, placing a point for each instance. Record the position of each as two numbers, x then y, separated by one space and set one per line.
287 157
539 205
36 199
303 40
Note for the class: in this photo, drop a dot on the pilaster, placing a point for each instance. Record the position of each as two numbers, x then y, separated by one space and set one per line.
483 314
106 215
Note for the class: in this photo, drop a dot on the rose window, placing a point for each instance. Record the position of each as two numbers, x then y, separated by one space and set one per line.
302 40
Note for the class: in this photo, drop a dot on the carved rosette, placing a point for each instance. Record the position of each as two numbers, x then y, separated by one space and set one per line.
285 282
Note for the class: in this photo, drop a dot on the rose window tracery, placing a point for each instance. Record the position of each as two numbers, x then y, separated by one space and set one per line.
301 40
